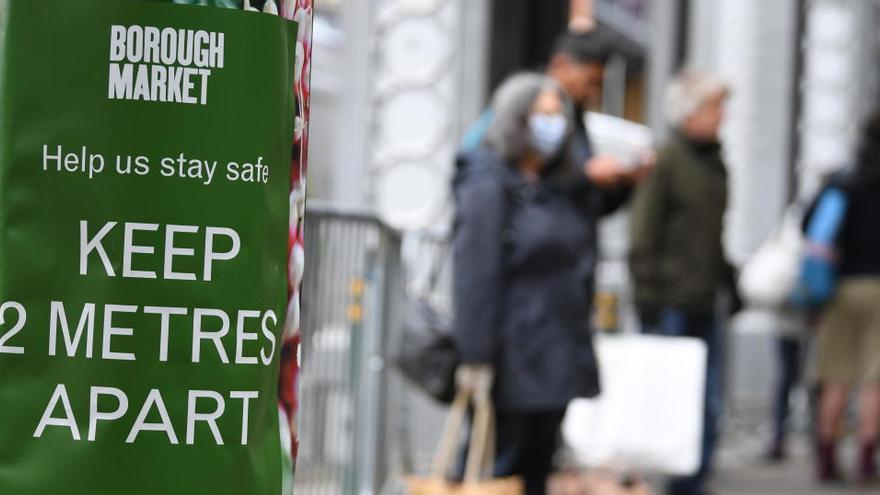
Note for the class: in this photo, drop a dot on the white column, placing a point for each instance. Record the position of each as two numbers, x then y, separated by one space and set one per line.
840 57
751 44
661 57
428 73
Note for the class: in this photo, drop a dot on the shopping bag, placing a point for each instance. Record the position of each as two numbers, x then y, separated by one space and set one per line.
481 452
602 483
428 355
597 482
440 487
770 276
650 415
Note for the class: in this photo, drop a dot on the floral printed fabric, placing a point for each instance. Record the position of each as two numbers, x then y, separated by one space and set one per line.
302 12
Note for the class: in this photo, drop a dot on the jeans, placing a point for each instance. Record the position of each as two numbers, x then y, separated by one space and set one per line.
789 351
678 323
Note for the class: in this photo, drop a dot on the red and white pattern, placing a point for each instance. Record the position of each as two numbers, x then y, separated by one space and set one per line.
302 12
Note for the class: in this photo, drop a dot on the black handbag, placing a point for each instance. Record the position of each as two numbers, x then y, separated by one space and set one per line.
428 356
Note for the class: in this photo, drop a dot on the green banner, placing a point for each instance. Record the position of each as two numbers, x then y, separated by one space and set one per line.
144 176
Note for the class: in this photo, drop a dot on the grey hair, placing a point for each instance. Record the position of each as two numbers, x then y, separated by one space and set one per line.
511 105
688 92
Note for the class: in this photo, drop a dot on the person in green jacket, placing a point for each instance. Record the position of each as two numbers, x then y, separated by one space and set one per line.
677 259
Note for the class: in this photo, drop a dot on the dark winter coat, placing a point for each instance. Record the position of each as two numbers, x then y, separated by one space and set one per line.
859 238
523 264
676 258
599 202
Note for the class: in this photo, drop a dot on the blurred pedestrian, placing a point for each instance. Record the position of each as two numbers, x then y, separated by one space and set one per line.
522 266
849 330
767 282
677 259
790 327
600 183
577 64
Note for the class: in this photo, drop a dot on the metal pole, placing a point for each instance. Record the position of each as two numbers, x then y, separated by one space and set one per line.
662 57
800 7
351 187
368 417
614 93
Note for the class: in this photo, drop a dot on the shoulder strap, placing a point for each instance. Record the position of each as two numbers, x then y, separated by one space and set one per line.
438 263
827 220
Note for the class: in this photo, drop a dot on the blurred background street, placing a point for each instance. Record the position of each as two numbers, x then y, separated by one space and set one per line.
744 473
395 86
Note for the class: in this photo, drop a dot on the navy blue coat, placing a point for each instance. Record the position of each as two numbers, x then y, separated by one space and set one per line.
523 261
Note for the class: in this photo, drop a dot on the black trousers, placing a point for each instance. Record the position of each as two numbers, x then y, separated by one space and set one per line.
526 444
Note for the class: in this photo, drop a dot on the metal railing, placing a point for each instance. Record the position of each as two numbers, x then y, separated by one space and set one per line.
361 424
351 289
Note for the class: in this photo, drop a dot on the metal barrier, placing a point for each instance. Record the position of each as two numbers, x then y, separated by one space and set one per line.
351 290
361 424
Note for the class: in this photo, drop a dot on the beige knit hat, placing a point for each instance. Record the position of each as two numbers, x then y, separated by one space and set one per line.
688 91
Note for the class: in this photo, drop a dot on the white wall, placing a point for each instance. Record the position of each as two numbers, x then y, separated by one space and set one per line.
393 87
751 44
839 84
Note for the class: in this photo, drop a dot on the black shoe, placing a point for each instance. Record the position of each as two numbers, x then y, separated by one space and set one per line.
826 465
867 474
776 453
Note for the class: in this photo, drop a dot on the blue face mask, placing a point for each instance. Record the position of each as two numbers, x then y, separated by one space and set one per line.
546 133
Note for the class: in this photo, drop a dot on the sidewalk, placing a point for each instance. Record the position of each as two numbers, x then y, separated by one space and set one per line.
792 478
742 470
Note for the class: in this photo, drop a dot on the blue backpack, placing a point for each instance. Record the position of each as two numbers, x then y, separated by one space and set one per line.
817 282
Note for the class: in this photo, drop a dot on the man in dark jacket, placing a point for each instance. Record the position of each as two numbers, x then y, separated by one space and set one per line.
600 183
577 65
677 259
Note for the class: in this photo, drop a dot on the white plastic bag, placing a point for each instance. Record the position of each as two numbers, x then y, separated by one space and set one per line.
650 414
769 277
625 140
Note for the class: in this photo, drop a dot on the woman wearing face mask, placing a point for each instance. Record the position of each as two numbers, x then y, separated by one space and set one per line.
522 262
